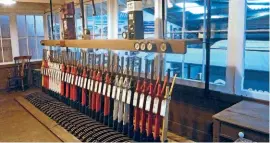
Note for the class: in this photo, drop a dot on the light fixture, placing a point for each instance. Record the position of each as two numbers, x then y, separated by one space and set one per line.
258 1
215 16
256 7
191 7
7 2
170 5
124 11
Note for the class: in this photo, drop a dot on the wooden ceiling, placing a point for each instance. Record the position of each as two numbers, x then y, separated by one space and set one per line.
43 1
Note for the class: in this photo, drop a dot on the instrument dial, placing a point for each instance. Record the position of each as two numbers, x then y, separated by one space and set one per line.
151 46
124 35
163 47
143 46
137 46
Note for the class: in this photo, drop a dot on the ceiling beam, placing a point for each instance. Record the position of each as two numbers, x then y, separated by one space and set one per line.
43 1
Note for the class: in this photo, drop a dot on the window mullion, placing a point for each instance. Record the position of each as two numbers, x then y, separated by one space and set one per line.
160 58
101 19
112 19
204 41
35 29
1 44
14 36
27 37
183 37
236 44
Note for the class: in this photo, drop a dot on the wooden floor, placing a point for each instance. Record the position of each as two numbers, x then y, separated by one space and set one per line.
18 125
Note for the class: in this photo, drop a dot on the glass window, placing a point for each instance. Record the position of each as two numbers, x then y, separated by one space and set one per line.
29 42
21 26
257 46
23 46
148 18
56 26
30 20
148 22
98 24
7 50
5 40
186 20
40 25
78 21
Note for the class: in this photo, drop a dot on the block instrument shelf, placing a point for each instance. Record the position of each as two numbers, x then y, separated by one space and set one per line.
174 46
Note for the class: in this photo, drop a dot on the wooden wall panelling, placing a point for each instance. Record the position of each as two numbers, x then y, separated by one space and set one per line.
191 112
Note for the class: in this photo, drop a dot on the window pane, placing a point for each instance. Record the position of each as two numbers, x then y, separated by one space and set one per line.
21 26
4 25
148 18
40 48
4 19
122 18
30 25
23 47
32 47
49 26
97 24
56 26
78 22
257 46
39 25
7 50
5 31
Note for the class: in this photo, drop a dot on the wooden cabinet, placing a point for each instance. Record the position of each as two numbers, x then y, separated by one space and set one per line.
251 118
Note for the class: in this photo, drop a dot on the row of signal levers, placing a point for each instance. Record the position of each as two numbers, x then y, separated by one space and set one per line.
107 88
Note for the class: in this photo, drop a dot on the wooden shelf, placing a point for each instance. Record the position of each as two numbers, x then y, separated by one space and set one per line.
176 46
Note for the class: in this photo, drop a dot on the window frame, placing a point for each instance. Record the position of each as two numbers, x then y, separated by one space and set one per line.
236 38
14 32
199 83
27 36
102 35
48 25
1 41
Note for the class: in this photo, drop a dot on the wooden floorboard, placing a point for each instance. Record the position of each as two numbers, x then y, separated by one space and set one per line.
17 125
176 138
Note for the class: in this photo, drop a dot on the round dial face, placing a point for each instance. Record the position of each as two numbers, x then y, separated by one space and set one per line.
137 46
131 27
124 35
143 46
149 46
163 47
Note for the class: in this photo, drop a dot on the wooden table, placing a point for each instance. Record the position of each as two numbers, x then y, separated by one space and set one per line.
251 118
